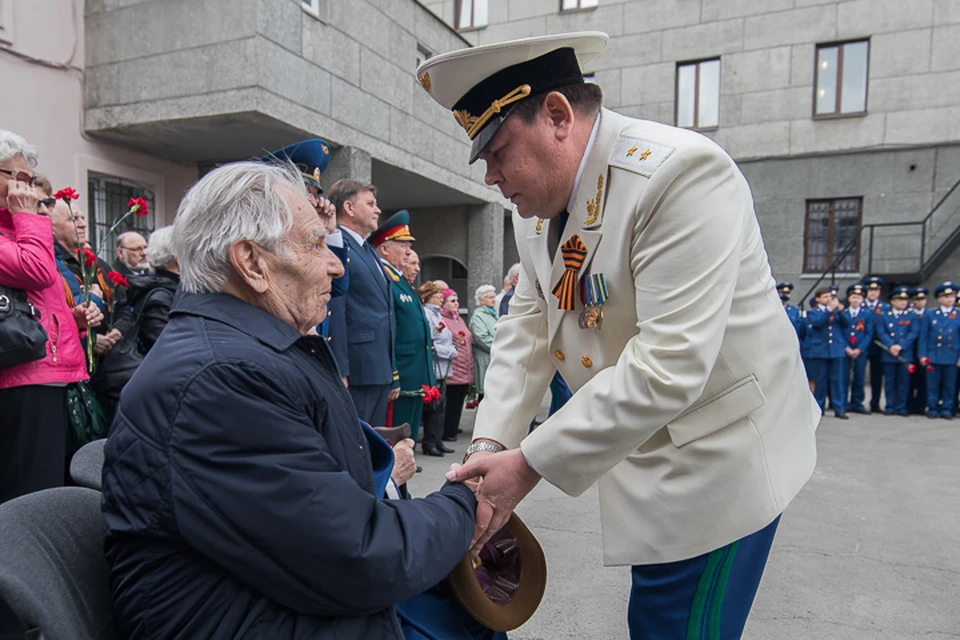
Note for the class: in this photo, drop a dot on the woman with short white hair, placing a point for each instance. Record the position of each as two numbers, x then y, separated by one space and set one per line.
483 326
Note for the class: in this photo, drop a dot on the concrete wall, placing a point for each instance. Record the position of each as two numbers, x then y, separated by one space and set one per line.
767 50
348 78
44 103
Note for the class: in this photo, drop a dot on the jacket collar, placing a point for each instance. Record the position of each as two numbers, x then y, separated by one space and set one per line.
234 312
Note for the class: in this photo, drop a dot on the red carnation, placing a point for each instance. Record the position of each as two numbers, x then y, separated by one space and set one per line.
138 206
929 367
117 279
89 257
441 327
853 339
66 194
911 368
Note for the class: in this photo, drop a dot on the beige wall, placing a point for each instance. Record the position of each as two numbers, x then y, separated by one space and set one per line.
44 104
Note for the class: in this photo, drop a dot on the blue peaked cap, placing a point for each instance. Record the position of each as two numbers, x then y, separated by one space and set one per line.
310 156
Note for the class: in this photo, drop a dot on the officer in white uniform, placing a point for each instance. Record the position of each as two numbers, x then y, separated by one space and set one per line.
645 283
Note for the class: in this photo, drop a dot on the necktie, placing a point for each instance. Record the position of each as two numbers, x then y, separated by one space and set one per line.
574 253
557 225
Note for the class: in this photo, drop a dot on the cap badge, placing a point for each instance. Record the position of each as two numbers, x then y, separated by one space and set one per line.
425 80
472 124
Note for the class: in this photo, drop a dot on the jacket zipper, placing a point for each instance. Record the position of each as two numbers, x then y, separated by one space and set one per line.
56 337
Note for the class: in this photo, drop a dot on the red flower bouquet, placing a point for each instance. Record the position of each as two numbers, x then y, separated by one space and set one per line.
67 194
441 327
117 279
911 368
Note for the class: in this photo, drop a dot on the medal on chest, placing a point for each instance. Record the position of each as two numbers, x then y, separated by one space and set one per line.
595 295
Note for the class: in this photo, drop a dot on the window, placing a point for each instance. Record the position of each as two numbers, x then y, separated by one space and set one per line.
573 5
319 9
841 79
423 54
590 77
698 94
471 14
831 226
107 201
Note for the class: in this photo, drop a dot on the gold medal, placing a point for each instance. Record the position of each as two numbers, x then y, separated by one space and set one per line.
591 317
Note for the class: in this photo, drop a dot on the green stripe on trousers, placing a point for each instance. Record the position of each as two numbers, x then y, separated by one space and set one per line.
707 607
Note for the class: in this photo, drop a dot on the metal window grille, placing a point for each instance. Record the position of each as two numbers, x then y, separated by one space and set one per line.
107 202
830 226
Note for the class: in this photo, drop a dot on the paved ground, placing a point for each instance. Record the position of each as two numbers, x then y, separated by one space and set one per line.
869 550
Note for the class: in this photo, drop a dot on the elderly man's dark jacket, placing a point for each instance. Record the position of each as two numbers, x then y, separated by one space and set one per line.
238 492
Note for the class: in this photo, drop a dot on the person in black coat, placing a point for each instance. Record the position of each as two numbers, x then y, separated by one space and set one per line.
241 494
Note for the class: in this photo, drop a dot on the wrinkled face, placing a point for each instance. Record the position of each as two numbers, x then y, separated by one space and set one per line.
412 268
522 161
69 236
899 303
452 304
855 299
947 299
16 165
489 299
133 251
364 214
301 281
396 252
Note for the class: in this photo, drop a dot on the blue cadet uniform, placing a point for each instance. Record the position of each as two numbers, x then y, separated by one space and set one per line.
312 157
827 355
792 310
875 353
859 336
941 345
917 399
898 328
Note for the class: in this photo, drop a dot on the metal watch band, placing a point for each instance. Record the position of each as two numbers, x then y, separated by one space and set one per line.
481 446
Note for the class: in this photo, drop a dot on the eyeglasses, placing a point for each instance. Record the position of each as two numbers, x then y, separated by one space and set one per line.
21 176
49 203
135 249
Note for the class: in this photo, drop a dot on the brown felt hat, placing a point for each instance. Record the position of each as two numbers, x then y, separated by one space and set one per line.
503 587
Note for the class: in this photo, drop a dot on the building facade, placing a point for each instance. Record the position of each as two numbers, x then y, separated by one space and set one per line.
842 114
140 97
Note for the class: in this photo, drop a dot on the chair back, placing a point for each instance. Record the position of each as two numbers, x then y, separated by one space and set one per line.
53 572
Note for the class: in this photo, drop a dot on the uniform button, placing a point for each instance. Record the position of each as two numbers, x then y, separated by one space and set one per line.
830 341
587 362
559 355
939 345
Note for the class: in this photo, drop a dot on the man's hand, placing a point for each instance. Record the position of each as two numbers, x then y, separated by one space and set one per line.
87 315
21 197
96 290
404 461
346 384
102 345
849 352
327 213
856 353
924 361
895 350
506 480
394 394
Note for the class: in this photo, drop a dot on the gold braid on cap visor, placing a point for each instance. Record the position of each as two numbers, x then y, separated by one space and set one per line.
472 124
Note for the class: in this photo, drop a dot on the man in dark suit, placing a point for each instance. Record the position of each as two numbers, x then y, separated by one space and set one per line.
413 344
362 323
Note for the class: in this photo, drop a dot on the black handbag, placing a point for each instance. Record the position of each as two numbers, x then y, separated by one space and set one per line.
22 337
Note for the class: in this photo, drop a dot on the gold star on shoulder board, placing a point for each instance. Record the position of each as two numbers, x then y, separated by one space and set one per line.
632 150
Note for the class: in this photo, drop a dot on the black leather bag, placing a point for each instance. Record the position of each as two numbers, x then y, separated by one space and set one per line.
22 337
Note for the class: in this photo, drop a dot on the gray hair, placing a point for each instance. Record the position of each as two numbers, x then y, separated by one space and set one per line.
238 201
160 252
13 145
483 290
514 271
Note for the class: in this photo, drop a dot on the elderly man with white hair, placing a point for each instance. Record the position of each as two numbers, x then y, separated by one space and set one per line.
241 493
131 254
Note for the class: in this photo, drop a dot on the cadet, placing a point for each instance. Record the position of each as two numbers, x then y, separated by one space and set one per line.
940 352
859 335
827 356
898 331
793 311
917 399
875 354
413 343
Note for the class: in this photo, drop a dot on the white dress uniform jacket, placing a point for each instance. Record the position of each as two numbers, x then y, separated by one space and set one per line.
690 404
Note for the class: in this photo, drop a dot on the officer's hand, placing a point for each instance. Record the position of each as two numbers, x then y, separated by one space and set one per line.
839 305
895 350
346 384
404 461
833 304
856 353
394 394
849 352
924 361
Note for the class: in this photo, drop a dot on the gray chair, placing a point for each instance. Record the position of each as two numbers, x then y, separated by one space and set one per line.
53 573
86 466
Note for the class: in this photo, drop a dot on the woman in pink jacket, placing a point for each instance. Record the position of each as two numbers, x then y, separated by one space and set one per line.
33 395
461 374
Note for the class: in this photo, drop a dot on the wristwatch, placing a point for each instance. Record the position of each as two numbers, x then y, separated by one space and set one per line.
483 445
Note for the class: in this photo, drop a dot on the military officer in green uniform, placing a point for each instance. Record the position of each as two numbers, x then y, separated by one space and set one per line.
413 345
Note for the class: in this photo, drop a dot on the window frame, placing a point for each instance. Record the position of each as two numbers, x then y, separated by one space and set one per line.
422 52
831 234
839 88
696 96
458 7
579 7
319 9
98 219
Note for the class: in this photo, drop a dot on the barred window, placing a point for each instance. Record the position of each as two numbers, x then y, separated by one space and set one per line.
830 226
107 201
